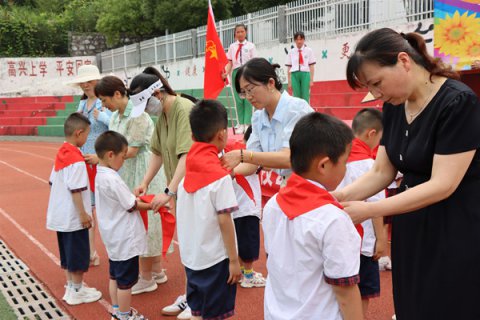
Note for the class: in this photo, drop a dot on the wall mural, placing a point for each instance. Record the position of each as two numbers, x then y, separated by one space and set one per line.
457 32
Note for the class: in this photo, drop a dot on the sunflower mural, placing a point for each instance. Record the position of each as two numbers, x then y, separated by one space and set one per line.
457 32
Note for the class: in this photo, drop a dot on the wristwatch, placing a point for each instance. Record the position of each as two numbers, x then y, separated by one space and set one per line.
169 193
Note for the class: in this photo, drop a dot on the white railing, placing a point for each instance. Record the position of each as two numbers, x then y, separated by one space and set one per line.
316 18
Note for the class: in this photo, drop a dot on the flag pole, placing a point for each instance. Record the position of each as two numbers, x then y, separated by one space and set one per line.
234 106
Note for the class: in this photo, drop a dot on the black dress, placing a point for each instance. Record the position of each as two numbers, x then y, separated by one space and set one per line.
436 250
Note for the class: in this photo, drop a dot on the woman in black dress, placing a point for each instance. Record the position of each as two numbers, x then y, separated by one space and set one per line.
431 135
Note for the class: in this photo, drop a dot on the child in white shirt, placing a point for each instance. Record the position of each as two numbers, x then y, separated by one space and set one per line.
69 210
119 222
206 234
367 128
311 243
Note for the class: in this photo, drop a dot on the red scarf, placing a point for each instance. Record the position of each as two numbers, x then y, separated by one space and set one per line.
300 196
202 167
239 49
168 223
360 151
241 180
67 155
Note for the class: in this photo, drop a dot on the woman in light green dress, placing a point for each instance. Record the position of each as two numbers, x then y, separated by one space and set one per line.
138 131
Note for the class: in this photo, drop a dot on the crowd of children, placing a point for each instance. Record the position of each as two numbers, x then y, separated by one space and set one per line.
308 238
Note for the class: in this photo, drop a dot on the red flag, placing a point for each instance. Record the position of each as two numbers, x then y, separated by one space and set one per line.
215 60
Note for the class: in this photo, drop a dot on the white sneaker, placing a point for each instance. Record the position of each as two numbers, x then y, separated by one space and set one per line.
394 317
185 315
67 292
144 286
177 307
256 281
136 316
160 277
84 295
384 263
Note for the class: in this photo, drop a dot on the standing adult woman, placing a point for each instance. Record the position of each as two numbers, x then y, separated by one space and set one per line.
431 134
171 142
138 131
91 107
272 123
239 53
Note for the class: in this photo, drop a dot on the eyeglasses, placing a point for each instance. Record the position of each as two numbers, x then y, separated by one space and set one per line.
247 92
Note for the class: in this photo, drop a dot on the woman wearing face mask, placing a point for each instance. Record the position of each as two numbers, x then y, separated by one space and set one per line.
91 107
138 131
170 143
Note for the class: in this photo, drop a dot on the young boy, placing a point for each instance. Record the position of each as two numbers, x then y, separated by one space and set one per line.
119 223
367 128
206 234
300 67
69 210
247 224
312 245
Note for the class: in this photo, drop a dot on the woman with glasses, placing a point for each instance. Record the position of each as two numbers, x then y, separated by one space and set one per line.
272 123
171 141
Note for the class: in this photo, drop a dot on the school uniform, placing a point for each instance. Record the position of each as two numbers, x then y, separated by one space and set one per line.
204 193
299 60
238 54
359 162
247 217
312 245
120 226
68 176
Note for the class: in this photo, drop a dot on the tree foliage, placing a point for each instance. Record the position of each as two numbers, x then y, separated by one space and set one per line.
40 27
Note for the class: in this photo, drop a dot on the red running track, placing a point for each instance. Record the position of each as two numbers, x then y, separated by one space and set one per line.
24 170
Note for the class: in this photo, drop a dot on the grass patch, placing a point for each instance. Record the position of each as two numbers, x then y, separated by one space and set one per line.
6 310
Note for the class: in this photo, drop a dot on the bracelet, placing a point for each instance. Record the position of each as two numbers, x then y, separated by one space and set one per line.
241 155
251 156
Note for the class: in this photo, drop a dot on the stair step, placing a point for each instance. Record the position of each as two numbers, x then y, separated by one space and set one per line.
32 106
27 113
31 121
39 99
51 131
18 130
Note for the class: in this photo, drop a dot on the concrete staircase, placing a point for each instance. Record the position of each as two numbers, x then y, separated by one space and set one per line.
44 116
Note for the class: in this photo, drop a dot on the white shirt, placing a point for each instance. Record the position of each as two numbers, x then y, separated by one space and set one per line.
293 59
318 246
62 215
246 207
355 170
247 53
199 236
123 232
274 135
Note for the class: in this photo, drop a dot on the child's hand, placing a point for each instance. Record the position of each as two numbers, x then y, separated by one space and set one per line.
380 248
146 205
86 220
91 158
140 190
234 272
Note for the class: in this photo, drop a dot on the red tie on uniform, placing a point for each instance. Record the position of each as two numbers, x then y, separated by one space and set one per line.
300 57
240 45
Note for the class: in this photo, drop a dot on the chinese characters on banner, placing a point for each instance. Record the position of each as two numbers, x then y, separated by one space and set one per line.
34 67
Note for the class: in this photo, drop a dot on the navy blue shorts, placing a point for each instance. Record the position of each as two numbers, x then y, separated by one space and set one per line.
124 272
208 293
369 278
248 237
74 250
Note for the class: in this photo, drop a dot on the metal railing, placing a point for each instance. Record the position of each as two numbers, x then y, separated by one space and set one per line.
316 18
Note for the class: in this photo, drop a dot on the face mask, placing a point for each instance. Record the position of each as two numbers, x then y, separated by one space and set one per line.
154 106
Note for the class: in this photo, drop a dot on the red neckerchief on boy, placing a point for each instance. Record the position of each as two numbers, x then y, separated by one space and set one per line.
67 155
241 180
202 167
360 151
300 196
168 223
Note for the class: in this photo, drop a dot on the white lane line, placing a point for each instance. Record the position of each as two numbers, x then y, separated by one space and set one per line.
28 153
28 145
24 172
